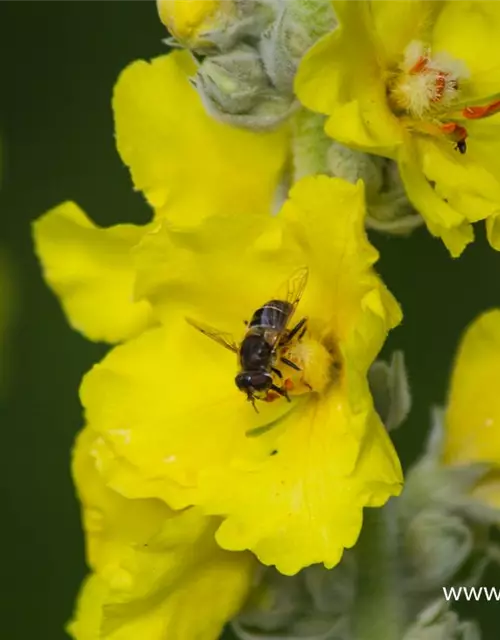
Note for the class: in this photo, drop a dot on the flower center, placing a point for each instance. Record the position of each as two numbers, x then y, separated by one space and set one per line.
423 85
319 363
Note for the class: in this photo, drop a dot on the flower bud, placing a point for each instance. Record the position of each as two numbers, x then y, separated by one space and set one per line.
296 28
190 20
235 89
389 210
310 605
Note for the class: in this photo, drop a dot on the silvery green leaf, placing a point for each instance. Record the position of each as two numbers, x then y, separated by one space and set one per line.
436 545
438 622
390 390
333 590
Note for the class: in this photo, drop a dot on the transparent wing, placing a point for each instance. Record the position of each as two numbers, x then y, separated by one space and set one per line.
224 339
295 286
291 291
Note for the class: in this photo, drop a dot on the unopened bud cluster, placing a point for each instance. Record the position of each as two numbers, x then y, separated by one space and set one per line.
249 51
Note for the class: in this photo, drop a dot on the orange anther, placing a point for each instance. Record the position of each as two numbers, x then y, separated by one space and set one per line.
474 113
272 396
449 127
288 384
440 87
419 65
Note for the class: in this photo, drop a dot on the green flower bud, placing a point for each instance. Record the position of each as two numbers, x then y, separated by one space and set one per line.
389 210
234 88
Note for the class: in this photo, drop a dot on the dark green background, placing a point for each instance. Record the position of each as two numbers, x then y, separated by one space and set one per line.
58 63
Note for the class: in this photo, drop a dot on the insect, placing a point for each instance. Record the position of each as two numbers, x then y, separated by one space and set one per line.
267 332
461 146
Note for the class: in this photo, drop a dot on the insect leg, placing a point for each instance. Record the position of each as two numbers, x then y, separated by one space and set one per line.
251 398
277 371
293 332
281 391
290 364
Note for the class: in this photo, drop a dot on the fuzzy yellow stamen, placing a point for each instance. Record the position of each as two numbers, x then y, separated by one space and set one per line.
423 84
318 366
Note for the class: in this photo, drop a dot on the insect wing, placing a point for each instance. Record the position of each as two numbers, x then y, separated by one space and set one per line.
224 339
291 291
295 287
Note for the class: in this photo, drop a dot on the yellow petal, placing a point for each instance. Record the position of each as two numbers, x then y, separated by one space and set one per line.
189 20
341 76
91 270
188 165
151 566
442 220
173 424
463 181
473 415
227 286
302 504
326 217
493 231
396 24
483 144
167 403
468 31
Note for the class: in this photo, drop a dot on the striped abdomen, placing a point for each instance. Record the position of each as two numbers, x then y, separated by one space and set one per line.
273 315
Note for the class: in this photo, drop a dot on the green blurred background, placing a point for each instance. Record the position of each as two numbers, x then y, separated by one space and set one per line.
58 64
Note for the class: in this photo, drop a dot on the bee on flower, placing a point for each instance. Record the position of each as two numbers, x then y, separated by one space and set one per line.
418 82
291 481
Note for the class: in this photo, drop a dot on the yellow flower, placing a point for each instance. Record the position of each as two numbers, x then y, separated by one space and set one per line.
419 82
290 481
190 20
152 568
187 164
472 423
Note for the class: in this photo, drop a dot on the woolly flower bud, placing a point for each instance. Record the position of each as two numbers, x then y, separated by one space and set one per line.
234 88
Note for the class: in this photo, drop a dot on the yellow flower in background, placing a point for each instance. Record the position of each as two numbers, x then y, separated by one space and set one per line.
290 482
472 421
155 573
189 20
187 164
419 82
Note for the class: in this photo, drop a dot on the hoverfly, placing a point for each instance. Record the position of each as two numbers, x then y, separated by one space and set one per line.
267 332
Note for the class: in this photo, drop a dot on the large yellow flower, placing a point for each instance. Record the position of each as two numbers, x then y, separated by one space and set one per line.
472 427
188 166
156 573
291 480
419 82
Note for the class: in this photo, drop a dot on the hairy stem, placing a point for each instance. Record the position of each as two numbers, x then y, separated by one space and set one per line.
379 609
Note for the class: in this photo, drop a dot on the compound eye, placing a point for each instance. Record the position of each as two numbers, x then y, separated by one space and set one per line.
243 381
261 381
